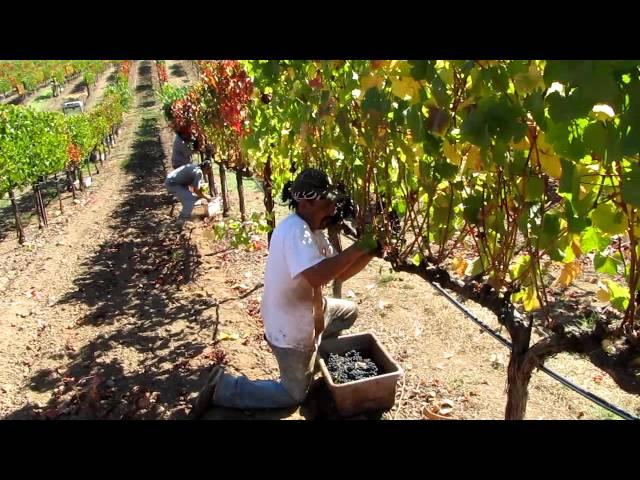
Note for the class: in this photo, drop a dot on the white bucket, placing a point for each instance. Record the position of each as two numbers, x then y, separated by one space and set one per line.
86 181
214 207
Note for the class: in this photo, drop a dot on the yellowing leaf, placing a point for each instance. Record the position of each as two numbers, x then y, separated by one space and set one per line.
619 295
400 66
460 265
603 293
529 81
608 218
406 152
520 185
370 81
584 173
550 164
451 153
519 266
541 142
228 336
522 144
569 273
474 159
530 299
406 87
475 268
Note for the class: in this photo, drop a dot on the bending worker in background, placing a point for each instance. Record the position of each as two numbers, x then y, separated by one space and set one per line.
179 182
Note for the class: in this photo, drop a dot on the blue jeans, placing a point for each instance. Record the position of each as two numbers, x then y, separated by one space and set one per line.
296 369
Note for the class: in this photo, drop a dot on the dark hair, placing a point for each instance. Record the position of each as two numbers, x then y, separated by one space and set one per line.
287 197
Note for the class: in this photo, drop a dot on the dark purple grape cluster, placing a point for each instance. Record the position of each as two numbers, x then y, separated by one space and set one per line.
350 367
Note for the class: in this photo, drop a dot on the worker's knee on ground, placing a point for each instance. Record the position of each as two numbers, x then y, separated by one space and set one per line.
352 313
298 397
298 393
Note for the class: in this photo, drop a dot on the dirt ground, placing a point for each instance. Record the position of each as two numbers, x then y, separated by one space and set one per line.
111 313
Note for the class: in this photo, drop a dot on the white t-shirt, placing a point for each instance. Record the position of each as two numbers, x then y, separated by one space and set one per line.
181 154
287 301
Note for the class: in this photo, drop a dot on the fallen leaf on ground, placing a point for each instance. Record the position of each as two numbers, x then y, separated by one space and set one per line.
228 336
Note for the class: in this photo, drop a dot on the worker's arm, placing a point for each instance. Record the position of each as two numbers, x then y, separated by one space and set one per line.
331 268
201 194
356 267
